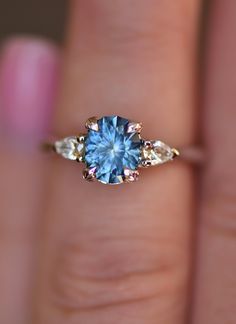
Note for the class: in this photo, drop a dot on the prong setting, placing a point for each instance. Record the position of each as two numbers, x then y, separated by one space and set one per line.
92 124
89 174
145 164
134 127
148 144
81 138
80 148
175 153
130 175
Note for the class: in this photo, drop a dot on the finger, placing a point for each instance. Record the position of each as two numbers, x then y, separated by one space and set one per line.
216 281
28 78
121 254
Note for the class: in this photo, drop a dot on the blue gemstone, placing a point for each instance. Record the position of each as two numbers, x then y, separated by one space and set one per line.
111 149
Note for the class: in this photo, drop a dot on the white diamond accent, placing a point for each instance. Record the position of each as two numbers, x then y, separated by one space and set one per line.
70 148
156 152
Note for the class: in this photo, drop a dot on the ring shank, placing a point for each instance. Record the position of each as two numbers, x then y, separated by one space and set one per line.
193 154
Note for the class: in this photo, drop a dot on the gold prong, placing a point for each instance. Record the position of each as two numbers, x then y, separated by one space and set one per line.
92 123
134 127
89 174
131 175
148 144
175 153
80 159
81 147
145 164
81 138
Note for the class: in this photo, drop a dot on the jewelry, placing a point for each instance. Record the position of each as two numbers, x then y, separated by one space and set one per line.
113 150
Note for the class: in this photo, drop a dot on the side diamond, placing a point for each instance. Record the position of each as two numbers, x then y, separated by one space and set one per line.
156 152
71 148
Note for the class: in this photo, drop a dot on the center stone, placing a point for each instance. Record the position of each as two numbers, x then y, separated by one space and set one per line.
111 149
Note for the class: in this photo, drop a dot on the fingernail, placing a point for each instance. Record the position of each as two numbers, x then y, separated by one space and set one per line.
29 76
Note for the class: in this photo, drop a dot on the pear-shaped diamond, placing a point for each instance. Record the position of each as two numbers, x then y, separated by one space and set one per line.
70 148
156 152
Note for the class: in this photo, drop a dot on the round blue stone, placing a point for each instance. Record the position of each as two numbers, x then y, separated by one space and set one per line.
111 149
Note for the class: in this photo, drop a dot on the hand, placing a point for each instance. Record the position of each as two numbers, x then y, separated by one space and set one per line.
74 252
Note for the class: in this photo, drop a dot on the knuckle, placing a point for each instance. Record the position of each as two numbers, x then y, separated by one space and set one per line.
121 32
115 272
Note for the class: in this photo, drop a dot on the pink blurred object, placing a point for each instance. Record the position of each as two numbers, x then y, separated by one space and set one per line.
29 76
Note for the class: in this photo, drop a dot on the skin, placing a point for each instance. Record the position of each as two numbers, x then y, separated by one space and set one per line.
76 252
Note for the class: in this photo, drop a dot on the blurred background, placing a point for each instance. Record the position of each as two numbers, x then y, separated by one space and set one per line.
44 18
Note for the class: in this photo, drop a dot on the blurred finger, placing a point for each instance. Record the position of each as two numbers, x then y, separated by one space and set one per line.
216 280
28 79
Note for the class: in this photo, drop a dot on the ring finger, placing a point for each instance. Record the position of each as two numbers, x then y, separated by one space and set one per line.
122 254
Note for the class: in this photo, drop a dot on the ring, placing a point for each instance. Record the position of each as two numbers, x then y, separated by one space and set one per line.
113 150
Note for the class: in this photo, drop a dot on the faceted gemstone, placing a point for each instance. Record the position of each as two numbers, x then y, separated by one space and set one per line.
156 152
112 149
70 148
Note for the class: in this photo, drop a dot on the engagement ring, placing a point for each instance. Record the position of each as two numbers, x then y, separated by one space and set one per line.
113 150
